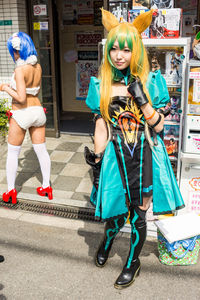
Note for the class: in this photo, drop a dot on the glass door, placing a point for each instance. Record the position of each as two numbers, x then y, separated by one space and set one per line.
41 22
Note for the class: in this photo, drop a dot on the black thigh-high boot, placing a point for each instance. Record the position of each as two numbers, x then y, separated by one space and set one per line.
112 227
138 236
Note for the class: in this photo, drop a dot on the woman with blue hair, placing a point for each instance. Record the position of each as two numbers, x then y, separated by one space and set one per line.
27 113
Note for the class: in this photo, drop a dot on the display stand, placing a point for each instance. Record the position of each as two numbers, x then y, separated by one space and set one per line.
190 156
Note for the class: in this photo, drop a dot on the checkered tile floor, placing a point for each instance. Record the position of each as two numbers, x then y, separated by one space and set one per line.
70 175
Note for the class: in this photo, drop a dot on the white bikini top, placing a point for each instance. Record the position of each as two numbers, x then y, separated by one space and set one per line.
20 62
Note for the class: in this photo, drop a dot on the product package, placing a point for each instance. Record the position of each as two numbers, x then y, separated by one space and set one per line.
120 9
160 4
133 13
143 3
166 23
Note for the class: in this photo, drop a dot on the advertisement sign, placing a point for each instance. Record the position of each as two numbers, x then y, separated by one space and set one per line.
194 202
88 39
86 67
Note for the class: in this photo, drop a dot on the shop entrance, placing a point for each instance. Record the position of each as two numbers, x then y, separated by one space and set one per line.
42 23
66 34
80 30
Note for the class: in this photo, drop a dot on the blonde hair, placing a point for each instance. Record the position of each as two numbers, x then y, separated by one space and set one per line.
139 65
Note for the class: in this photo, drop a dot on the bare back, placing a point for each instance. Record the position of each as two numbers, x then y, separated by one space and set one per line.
32 77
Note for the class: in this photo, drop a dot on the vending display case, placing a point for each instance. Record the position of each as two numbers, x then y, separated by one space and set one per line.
190 156
172 56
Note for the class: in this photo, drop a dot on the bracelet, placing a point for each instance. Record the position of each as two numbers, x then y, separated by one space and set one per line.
96 117
150 116
157 122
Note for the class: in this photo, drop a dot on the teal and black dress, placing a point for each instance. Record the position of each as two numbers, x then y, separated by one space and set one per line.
130 169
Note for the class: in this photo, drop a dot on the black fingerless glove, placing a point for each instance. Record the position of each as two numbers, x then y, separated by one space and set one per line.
96 167
136 90
165 112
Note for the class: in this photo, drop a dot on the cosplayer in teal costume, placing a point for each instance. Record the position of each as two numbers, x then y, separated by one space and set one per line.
123 177
110 202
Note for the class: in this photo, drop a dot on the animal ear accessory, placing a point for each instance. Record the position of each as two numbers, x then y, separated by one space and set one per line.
141 22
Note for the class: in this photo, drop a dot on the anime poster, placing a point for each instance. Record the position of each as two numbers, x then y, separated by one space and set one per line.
88 39
86 67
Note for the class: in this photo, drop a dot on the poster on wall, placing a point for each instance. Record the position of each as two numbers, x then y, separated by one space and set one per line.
69 12
86 67
85 12
88 39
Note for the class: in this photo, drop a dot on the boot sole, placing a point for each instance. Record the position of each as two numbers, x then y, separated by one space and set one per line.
120 287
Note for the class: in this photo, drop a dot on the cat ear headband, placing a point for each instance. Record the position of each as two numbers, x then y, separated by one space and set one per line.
141 22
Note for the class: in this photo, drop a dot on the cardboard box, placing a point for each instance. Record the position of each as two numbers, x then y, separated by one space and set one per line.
166 23
161 4
133 13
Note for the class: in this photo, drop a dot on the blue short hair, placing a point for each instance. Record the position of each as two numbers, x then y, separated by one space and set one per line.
27 47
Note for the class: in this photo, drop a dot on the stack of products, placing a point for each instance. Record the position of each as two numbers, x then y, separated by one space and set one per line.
166 22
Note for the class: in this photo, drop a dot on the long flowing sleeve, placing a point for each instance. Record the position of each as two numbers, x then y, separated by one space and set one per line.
158 90
93 96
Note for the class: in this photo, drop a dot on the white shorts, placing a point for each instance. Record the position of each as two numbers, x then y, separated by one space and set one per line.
29 116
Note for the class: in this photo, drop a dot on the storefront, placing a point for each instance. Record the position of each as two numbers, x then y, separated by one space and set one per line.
66 34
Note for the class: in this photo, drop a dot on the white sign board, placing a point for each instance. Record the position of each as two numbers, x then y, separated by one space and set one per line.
40 10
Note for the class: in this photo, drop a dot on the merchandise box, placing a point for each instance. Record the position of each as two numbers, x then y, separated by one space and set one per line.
120 9
133 13
144 3
171 131
173 67
161 4
174 105
166 23
171 145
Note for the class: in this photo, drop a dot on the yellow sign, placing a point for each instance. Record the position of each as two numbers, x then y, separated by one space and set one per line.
36 26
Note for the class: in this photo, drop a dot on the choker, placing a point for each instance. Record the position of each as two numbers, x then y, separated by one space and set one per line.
120 77
31 60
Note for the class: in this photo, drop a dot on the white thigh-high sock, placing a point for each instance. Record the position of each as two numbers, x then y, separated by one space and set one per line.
11 165
45 163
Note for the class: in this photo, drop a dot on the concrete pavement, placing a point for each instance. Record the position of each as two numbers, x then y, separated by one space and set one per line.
51 258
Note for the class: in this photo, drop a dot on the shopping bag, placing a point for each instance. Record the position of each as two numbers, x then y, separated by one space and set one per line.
179 253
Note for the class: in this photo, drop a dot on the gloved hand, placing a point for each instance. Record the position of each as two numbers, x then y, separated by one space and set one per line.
136 90
165 112
96 167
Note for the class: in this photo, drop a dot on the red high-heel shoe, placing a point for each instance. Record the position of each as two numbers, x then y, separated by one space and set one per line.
45 192
11 194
